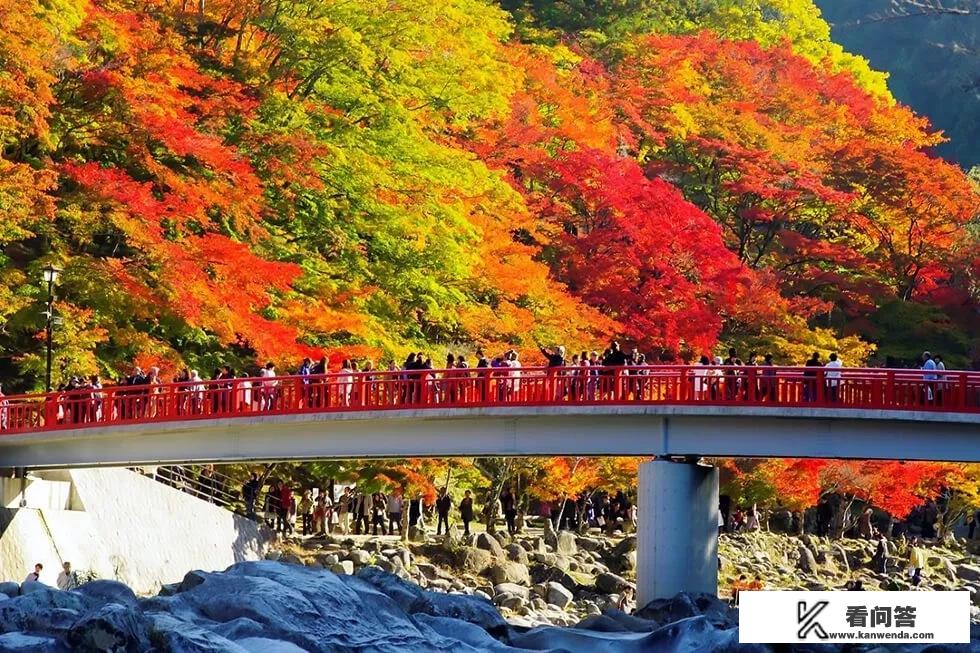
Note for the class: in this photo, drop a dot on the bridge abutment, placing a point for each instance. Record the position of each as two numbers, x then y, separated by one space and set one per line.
677 530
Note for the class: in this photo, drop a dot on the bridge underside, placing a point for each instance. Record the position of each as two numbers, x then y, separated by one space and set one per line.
511 431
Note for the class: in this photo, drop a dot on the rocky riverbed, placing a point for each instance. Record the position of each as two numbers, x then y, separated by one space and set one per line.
547 578
547 592
278 607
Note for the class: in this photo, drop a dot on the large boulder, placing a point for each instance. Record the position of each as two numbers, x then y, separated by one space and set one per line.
511 588
969 573
33 643
611 583
111 627
414 600
10 589
489 543
360 557
565 544
108 591
558 594
178 636
473 560
685 606
808 562
505 571
516 553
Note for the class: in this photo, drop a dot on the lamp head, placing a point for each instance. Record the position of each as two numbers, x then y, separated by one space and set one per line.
50 273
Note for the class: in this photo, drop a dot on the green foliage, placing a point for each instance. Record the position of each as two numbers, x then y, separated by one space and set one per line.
903 330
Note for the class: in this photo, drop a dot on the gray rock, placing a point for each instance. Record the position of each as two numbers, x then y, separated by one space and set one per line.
558 595
111 627
473 560
32 586
343 567
565 544
510 601
24 643
611 583
626 545
10 589
108 591
505 571
360 557
969 573
511 588
428 570
488 542
589 543
516 553
808 562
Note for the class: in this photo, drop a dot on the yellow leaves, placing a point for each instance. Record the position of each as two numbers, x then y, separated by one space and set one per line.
794 341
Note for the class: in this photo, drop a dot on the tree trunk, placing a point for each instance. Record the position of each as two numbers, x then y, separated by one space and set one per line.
840 519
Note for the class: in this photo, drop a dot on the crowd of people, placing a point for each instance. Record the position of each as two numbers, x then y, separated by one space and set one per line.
588 376
356 511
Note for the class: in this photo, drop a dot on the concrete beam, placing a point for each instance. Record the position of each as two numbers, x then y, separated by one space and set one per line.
518 431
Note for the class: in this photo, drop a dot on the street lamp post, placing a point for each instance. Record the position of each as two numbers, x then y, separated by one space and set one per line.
50 276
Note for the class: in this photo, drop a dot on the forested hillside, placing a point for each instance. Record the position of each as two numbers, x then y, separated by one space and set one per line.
933 61
232 181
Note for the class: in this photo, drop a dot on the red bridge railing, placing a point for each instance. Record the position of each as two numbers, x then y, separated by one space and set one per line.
681 385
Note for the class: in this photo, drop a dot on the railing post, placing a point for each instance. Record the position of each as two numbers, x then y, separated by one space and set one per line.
961 391
821 387
486 389
753 385
50 411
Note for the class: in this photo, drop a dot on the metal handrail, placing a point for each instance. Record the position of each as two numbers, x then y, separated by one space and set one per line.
682 385
215 491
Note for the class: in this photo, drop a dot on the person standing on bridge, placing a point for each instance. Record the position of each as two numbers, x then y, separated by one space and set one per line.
556 360
304 372
809 378
930 376
4 408
833 377
269 386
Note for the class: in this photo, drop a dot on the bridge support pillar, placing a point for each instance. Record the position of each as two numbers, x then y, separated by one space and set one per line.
677 530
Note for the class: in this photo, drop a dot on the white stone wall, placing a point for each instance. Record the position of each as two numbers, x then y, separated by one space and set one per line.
130 528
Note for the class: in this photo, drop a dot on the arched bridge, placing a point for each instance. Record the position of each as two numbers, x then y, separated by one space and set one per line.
649 411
